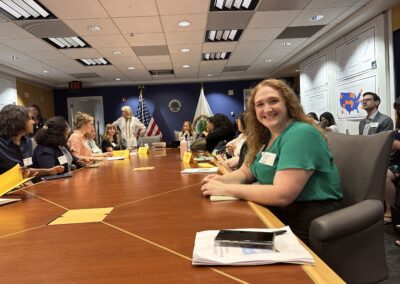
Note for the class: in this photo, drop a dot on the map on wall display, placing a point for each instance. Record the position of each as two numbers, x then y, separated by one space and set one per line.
350 97
314 74
356 55
315 102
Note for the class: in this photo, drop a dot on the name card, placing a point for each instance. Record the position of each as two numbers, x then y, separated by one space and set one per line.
187 157
143 150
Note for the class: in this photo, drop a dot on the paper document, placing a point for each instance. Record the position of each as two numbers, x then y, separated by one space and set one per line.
222 198
115 158
11 179
4 201
200 170
287 250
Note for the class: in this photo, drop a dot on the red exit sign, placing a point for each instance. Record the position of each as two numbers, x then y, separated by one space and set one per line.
74 85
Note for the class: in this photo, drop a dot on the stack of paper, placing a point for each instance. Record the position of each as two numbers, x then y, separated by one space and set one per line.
113 158
8 200
287 250
200 170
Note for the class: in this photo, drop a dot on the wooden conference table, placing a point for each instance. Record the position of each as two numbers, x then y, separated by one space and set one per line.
147 238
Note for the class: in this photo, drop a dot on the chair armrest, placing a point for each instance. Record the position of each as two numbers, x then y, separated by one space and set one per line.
347 221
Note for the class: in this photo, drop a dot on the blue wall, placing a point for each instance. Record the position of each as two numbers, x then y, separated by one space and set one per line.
157 98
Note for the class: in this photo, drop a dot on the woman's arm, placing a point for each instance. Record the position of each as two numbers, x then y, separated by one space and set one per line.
287 185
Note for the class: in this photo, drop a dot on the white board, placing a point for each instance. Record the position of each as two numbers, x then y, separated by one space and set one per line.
313 75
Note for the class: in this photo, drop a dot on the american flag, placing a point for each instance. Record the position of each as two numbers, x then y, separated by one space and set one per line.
142 113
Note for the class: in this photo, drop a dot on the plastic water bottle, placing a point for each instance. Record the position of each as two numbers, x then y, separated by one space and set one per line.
188 143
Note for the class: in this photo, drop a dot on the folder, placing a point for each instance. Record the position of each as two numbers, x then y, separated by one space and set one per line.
11 179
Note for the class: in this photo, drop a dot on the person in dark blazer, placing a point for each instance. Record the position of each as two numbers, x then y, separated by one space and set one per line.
51 149
375 121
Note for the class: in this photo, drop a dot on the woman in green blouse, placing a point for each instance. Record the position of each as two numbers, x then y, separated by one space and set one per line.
289 158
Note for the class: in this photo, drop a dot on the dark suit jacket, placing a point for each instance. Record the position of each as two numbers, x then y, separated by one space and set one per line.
47 157
384 123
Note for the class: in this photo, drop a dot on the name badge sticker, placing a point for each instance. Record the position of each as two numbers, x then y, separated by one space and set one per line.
62 160
28 162
267 158
374 124
113 144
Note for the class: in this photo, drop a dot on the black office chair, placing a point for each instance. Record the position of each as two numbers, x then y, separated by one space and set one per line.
350 240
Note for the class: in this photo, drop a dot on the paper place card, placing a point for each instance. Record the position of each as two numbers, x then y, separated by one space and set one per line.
187 157
143 150
143 169
200 170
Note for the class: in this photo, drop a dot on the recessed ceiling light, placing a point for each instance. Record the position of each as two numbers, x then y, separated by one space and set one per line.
316 18
131 68
117 52
94 28
117 79
186 66
185 50
209 75
297 70
13 57
184 23
268 60
286 43
46 71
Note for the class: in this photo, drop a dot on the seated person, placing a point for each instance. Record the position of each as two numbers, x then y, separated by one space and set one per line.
51 149
314 116
15 145
77 142
110 141
96 151
327 122
297 177
187 131
234 146
222 130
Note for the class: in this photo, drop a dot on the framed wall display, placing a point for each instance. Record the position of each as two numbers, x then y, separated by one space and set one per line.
174 105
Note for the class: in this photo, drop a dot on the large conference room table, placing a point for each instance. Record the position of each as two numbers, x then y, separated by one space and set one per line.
148 237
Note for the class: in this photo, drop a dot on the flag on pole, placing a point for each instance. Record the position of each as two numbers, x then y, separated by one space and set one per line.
203 111
143 114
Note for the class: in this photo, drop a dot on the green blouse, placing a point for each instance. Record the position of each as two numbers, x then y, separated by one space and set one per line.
300 146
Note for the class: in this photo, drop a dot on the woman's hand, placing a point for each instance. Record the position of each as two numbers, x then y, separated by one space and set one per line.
56 170
209 177
214 187
230 148
27 173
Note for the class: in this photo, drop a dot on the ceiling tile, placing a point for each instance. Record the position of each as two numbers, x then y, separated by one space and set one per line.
13 31
277 44
81 27
299 32
211 67
162 59
151 50
158 66
108 51
219 46
180 7
303 19
279 5
134 25
146 39
186 59
317 4
130 8
81 53
228 20
170 22
185 37
106 41
261 34
30 44
274 19
75 9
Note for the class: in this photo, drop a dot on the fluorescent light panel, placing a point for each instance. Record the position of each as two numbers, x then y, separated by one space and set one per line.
93 61
215 56
66 42
25 9
233 5
223 35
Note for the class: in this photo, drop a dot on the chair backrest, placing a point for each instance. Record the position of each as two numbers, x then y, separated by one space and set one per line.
150 139
362 162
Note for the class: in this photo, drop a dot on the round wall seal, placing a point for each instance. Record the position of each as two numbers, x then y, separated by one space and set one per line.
175 105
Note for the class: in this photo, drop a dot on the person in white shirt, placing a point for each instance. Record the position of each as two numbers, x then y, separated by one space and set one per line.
130 127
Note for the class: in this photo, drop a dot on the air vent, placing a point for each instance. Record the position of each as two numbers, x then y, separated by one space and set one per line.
215 56
233 5
24 10
161 72
93 61
223 35
66 42
236 68
85 75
